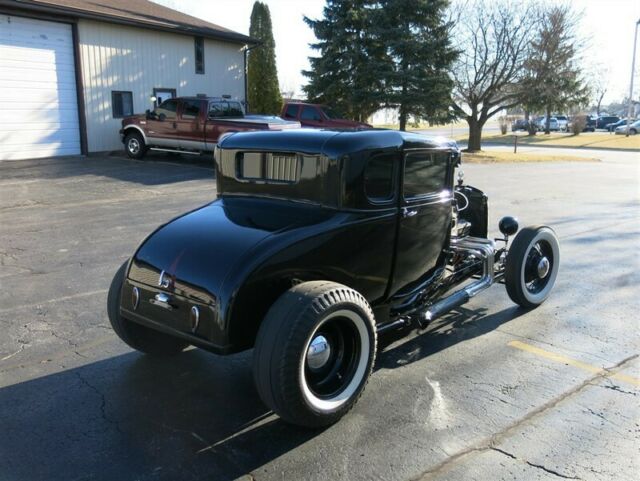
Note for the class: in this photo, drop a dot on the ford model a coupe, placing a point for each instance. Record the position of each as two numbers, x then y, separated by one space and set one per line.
317 242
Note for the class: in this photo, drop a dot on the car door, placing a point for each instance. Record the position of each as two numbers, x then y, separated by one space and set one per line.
162 127
191 124
425 217
310 116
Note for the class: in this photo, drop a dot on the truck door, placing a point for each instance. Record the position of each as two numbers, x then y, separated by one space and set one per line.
162 130
425 217
191 124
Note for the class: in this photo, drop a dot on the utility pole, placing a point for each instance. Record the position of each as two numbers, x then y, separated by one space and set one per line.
633 71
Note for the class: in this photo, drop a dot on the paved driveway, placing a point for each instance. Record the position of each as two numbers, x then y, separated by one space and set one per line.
490 392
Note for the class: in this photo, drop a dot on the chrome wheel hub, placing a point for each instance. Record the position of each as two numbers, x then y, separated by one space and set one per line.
318 353
134 146
543 267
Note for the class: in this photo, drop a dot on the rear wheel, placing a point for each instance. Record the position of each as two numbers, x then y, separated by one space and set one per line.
532 266
134 145
136 335
314 353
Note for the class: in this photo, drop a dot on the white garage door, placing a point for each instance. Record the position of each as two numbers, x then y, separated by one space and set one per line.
38 103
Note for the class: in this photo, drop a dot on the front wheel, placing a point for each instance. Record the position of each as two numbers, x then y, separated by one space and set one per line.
532 266
314 353
135 146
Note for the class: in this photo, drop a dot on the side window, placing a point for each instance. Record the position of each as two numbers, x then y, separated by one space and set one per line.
378 177
121 104
190 109
168 108
424 173
291 112
309 113
199 54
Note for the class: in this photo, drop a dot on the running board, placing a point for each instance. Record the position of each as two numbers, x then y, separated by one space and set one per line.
176 151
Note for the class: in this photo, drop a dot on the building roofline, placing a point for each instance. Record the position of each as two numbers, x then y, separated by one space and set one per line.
70 13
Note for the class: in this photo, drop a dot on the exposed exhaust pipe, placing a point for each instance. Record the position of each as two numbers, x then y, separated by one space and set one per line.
482 248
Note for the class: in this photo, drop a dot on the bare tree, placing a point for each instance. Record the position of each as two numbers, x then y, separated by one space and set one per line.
494 40
599 83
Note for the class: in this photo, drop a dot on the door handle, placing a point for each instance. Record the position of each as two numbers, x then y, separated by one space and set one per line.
408 213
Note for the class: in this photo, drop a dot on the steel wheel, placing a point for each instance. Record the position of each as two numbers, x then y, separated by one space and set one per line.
532 266
314 352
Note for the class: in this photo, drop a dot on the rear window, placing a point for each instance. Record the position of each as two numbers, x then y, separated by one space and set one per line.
225 109
424 173
267 167
378 177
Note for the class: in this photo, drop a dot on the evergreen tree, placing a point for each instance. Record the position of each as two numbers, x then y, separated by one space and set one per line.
553 79
262 76
420 56
346 74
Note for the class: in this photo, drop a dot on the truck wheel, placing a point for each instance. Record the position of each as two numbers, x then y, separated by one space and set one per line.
314 353
134 145
532 266
136 335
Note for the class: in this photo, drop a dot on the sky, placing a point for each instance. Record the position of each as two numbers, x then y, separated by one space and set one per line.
606 25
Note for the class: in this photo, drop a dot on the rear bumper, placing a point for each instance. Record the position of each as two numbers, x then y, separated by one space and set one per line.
173 318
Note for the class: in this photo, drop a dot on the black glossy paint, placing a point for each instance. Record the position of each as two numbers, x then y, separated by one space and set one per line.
237 255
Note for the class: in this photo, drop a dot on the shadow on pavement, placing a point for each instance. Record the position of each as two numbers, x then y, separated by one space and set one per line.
194 416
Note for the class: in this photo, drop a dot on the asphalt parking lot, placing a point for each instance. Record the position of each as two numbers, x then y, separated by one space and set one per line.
489 392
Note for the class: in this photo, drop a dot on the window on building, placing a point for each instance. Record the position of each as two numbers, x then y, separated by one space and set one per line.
190 109
378 177
121 104
310 113
199 46
424 173
168 108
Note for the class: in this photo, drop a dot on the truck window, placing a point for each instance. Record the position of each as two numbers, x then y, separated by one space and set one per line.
291 112
309 113
225 109
168 108
378 177
190 109
424 173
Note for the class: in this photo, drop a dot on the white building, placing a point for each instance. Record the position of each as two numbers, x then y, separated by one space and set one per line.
71 69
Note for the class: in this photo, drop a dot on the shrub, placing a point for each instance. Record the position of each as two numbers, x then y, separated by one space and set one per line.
504 124
578 123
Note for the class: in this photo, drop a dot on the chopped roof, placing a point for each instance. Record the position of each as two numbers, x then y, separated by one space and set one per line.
142 13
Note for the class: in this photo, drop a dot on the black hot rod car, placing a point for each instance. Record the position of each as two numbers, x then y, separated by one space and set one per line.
317 242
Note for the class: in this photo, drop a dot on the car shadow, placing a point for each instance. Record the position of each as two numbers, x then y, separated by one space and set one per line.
193 416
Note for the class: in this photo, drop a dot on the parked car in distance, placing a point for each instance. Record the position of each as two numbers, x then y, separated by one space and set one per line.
554 126
318 116
519 124
612 127
603 121
563 123
589 122
191 125
634 128
318 242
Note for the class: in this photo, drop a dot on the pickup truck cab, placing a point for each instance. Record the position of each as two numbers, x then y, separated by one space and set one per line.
191 125
318 116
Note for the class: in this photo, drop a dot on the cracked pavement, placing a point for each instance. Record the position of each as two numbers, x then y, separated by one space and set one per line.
455 401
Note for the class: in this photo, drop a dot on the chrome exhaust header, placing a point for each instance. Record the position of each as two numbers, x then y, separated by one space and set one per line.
485 250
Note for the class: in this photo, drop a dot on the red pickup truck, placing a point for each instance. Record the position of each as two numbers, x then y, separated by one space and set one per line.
191 125
318 116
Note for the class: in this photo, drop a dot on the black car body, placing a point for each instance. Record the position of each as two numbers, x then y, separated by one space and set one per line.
604 120
367 220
